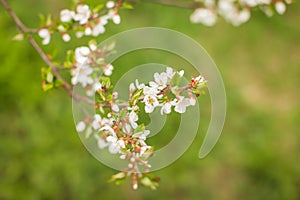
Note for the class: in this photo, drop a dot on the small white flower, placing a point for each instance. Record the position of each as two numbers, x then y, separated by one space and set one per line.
280 7
115 95
133 117
138 85
151 91
98 29
135 186
204 16
110 4
151 102
142 137
45 35
81 55
166 108
79 34
131 87
97 86
83 14
244 16
101 142
181 105
109 129
80 126
111 139
81 75
170 72
115 108
88 31
126 128
116 19
96 122
161 79
66 15
192 101
114 144
181 73
66 37
144 149
108 70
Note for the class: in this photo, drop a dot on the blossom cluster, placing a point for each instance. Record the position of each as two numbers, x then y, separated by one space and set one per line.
83 20
235 12
116 125
158 92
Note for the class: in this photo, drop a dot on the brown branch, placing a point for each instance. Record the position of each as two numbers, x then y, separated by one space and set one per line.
172 3
45 58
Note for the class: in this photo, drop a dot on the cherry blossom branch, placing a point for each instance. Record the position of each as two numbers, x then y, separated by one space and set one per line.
45 58
186 5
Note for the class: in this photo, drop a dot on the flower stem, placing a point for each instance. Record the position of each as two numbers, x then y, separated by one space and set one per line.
43 55
186 5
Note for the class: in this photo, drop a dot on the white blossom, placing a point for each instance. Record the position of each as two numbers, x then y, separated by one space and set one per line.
181 73
97 86
66 15
116 19
133 117
181 104
45 35
127 128
81 75
108 129
110 4
98 29
138 85
192 101
79 34
204 16
108 69
131 87
96 124
166 108
152 91
151 102
280 7
114 144
88 31
161 80
83 14
170 72
81 55
66 37
115 108
101 142
80 126
144 149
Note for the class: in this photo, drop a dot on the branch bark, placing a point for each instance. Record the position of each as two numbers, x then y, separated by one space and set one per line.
172 3
43 55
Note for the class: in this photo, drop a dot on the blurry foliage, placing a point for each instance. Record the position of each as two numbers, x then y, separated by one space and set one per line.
257 156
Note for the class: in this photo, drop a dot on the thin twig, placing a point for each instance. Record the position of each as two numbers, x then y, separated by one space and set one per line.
45 58
186 5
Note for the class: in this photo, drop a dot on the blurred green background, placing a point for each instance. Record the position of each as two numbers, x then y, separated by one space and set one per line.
257 156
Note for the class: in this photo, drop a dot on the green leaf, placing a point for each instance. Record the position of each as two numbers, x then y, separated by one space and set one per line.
117 176
47 86
49 77
176 80
49 20
140 129
147 182
98 8
42 20
18 37
127 6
